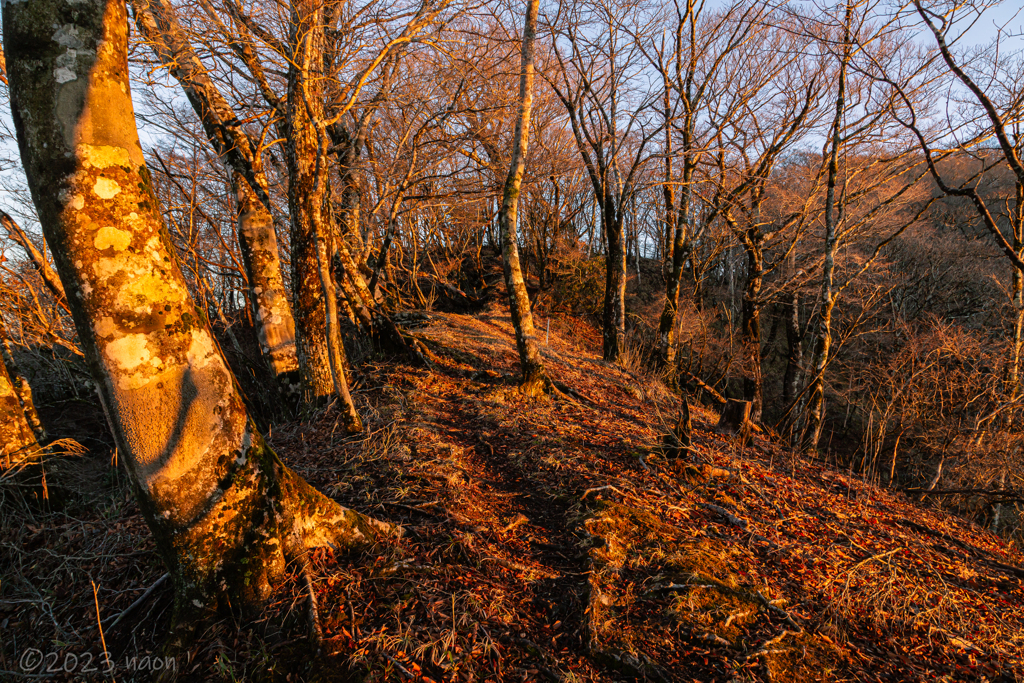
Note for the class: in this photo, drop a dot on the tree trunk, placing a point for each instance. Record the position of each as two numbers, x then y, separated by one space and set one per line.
353 424
262 262
306 207
614 318
816 391
677 443
1017 296
735 419
794 341
680 252
20 429
223 508
751 331
158 22
535 381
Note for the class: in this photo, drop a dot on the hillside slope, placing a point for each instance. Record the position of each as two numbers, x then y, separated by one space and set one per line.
550 540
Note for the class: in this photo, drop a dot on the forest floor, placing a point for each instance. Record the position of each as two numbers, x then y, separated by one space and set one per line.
545 540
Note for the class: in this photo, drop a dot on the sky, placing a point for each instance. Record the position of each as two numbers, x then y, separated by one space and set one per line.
1006 17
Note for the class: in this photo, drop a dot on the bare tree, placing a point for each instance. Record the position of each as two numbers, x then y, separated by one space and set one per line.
535 380
991 111
158 22
595 73
690 65
223 508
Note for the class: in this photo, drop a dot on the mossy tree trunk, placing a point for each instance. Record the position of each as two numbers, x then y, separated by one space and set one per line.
535 381
306 197
158 22
223 508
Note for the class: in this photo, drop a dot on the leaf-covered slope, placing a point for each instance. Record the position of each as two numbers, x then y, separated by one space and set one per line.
546 540
552 539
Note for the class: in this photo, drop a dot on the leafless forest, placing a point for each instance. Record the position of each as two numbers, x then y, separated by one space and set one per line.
232 226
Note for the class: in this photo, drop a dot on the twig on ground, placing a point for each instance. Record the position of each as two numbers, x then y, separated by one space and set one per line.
771 607
138 602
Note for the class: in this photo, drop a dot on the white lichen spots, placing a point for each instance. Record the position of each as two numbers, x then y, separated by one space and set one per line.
102 156
202 349
67 35
197 602
62 74
105 327
64 65
146 289
110 237
129 352
105 188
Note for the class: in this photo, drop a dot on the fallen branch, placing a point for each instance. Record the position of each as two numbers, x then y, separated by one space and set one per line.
1002 495
771 607
718 398
738 522
141 599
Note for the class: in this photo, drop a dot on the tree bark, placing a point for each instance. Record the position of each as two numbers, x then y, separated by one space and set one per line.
306 206
794 339
223 508
535 381
753 385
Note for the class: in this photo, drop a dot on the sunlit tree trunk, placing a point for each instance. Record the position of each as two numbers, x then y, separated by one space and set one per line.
1017 296
19 425
262 261
224 510
535 381
16 438
753 384
816 390
306 197
158 22
794 340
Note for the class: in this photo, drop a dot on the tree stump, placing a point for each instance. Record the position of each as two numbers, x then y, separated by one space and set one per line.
735 419
677 442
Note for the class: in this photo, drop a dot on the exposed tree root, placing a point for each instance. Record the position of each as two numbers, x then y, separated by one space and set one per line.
286 518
